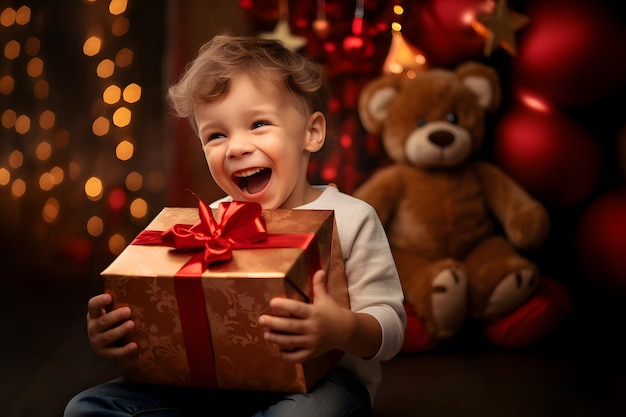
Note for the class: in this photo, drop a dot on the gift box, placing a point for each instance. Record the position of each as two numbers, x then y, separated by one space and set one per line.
197 285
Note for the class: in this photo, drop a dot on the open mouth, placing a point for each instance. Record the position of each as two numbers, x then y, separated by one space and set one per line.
253 180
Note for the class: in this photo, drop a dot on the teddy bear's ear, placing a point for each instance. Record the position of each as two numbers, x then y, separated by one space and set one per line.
484 81
374 101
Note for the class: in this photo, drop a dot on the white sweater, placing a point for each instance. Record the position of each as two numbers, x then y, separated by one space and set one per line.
373 282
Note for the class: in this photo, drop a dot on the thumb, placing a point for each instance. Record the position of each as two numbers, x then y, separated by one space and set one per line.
319 285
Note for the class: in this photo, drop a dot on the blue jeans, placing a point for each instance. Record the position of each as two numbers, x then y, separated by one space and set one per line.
338 394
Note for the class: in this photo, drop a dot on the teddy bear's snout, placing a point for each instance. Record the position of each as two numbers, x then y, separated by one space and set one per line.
441 138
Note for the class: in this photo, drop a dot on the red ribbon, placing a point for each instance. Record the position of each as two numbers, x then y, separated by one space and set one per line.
239 225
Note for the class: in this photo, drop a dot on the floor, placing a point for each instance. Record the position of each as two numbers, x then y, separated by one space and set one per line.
579 371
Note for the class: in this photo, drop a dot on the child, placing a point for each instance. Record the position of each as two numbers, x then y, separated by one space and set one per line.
259 111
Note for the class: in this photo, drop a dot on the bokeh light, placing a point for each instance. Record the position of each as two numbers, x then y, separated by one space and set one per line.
16 159
6 84
117 243
92 46
134 181
12 49
94 188
34 67
100 126
124 150
132 93
51 210
105 68
117 199
22 124
95 226
117 7
139 208
112 94
43 151
46 119
18 188
124 57
122 117
5 176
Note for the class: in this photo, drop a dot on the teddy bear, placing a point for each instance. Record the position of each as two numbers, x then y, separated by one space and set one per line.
458 226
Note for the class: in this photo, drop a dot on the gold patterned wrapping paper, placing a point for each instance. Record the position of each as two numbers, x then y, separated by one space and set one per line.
235 293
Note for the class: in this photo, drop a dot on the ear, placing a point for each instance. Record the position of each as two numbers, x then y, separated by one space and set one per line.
375 99
316 132
483 81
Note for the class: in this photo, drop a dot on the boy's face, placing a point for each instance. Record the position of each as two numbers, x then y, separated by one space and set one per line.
257 144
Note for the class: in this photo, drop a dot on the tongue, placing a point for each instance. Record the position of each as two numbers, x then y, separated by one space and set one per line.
257 182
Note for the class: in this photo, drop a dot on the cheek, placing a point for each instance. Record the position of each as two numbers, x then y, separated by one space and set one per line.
214 160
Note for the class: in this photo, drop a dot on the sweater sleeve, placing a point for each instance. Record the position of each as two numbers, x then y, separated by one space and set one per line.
373 281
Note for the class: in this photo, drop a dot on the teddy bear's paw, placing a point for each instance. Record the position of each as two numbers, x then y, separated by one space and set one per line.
449 302
514 289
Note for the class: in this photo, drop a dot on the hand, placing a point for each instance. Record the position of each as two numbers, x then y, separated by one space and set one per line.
104 329
303 331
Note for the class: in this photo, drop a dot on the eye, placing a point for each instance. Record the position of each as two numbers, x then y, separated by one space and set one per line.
421 121
452 118
214 136
260 123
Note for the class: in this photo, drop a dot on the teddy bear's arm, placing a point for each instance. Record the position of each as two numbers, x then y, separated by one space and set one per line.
382 191
524 219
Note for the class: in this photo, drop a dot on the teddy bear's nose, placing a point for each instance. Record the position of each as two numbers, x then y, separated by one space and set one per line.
441 138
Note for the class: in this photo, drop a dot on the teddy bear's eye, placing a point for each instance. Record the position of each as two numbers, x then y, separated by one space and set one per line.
421 121
452 118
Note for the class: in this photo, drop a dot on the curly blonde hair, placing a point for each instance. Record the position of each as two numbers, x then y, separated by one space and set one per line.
207 78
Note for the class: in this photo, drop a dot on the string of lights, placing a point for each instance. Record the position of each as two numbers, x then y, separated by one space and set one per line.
76 170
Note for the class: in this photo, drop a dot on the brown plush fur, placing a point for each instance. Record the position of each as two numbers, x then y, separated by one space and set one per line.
442 210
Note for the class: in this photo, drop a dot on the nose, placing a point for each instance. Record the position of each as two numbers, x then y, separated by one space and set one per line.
441 138
239 145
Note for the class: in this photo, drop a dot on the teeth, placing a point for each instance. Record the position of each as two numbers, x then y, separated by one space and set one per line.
247 173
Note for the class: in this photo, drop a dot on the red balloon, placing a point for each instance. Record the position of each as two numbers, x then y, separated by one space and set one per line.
601 241
571 51
548 154
443 29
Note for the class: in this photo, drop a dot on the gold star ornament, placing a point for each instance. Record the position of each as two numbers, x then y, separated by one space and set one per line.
283 33
499 27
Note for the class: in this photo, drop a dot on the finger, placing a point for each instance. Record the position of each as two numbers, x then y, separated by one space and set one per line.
111 336
276 310
287 307
97 304
109 329
295 349
298 355
319 285
110 319
287 342
278 324
119 352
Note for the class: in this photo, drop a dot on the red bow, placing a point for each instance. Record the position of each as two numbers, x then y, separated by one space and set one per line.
239 225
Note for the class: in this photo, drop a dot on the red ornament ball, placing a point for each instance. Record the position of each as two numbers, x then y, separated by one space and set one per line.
570 53
548 154
601 241
443 29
